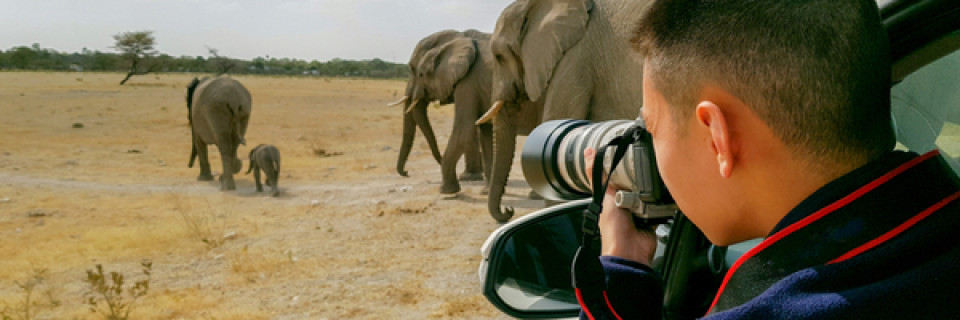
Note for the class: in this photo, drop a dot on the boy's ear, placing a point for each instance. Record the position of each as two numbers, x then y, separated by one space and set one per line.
713 118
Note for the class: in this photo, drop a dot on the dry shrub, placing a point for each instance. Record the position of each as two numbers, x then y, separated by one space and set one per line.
107 295
31 306
202 223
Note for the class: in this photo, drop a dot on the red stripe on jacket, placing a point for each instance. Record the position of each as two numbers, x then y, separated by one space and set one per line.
816 216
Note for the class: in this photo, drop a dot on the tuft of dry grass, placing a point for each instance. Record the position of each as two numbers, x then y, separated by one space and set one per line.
202 223
36 296
464 308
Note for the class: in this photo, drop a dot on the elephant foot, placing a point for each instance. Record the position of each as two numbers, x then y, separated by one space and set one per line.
227 184
205 177
402 173
275 193
450 188
534 195
471 176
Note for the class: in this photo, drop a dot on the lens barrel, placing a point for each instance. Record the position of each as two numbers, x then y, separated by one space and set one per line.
552 157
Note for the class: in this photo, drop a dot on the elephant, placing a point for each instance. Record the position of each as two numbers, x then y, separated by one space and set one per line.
265 157
573 57
218 110
450 67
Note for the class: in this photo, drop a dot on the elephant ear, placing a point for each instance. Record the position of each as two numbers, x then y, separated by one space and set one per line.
548 30
446 64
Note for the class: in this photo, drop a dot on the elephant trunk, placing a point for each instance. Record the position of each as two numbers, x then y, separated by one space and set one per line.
409 130
504 141
420 117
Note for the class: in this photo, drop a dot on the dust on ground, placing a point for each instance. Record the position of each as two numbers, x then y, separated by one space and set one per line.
92 172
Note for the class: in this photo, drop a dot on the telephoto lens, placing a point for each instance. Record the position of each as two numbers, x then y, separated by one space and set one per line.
553 164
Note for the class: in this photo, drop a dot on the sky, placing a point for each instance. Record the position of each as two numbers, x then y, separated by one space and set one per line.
303 29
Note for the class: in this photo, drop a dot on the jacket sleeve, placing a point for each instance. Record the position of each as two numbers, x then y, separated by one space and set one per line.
634 290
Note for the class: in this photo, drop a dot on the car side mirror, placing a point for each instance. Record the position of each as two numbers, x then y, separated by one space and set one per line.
526 263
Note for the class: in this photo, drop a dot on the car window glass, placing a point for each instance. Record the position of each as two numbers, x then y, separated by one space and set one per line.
926 109
534 270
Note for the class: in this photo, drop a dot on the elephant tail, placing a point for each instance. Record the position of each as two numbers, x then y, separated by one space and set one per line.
251 168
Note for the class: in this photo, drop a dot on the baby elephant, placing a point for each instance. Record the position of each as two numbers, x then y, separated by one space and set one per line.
265 157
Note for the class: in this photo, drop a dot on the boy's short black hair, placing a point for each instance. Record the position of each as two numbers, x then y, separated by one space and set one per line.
816 71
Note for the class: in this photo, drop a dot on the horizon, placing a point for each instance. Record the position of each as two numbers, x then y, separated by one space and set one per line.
308 30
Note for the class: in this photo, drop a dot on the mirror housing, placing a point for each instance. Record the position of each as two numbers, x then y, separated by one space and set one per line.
526 263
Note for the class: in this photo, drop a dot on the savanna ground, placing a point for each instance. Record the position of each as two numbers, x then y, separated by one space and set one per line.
96 173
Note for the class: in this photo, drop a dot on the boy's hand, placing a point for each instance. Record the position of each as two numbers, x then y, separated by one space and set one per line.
618 235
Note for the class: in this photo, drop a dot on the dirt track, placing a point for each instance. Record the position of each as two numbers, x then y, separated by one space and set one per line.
347 238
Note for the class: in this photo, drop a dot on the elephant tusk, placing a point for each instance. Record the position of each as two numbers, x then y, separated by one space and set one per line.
413 104
491 113
398 102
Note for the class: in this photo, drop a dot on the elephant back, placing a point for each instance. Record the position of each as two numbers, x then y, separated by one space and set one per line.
222 90
220 105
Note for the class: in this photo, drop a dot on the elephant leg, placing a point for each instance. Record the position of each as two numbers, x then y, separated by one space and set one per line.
203 156
463 139
228 156
273 180
448 166
256 179
474 165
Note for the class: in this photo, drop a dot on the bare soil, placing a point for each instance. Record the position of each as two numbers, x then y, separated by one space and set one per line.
92 172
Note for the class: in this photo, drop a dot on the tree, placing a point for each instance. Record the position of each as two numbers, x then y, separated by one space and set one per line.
102 61
136 47
22 57
220 63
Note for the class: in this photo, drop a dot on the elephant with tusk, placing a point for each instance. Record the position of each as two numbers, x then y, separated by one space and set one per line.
450 67
218 110
573 58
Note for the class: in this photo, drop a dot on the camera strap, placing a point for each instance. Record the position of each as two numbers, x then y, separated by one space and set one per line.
587 272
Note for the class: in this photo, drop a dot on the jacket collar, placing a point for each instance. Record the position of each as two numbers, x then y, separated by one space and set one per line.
846 217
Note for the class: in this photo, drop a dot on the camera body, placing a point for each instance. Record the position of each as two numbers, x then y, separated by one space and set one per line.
553 164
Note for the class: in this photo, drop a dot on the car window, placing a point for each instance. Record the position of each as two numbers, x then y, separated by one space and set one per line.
926 109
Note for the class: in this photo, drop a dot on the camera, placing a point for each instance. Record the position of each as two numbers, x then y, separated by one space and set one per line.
554 167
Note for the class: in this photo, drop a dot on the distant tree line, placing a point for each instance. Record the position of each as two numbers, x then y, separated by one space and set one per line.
36 58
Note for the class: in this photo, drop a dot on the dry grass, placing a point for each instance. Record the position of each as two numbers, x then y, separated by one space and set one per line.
347 238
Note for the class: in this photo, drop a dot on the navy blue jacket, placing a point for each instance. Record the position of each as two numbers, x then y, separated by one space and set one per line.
881 242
